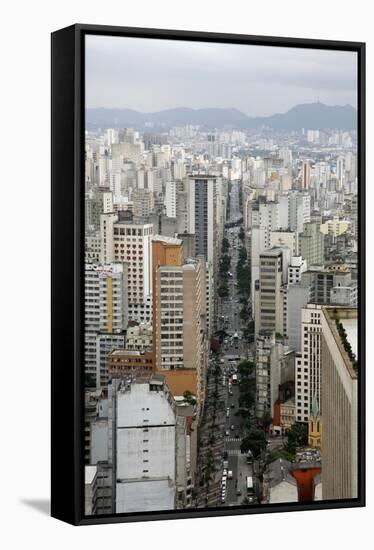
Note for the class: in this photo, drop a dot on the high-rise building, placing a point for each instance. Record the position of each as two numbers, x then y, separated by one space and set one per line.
171 199
97 201
296 269
105 344
202 197
285 238
105 310
311 244
269 355
296 296
128 242
262 219
308 363
339 402
179 317
143 203
268 296
305 175
325 284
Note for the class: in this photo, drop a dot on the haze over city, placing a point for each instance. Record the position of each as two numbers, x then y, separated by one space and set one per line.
150 75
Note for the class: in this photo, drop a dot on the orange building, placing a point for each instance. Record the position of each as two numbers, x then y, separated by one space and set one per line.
179 321
123 362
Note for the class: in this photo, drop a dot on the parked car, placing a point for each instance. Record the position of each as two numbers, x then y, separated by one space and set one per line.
229 474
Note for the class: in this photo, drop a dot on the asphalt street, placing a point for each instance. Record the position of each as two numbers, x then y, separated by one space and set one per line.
234 350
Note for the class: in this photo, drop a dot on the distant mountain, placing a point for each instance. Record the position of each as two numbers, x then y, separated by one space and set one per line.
315 116
310 115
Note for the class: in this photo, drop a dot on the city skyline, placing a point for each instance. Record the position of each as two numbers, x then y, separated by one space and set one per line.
221 282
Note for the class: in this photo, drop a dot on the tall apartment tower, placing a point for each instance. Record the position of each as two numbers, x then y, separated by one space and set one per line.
179 318
124 241
308 363
268 296
305 175
202 197
97 201
311 244
105 310
339 402
262 219
171 199
269 354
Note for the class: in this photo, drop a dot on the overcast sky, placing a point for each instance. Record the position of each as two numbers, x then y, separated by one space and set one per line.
151 75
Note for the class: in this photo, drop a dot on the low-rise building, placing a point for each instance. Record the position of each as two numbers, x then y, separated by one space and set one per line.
123 362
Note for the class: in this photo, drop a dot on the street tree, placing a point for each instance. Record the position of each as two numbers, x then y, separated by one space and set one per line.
254 441
297 436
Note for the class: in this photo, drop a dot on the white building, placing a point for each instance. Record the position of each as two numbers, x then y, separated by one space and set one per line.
345 295
285 238
294 210
295 269
105 344
105 309
123 241
308 363
170 199
145 449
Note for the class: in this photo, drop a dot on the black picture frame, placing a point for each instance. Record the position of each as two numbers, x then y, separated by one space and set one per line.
68 116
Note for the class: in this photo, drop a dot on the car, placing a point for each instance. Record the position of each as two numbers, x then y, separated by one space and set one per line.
238 493
233 405
232 427
231 392
229 474
225 455
227 432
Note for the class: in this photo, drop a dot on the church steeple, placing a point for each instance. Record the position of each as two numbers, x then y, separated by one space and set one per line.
314 425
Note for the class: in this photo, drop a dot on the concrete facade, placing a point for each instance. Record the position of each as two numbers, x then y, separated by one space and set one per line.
339 413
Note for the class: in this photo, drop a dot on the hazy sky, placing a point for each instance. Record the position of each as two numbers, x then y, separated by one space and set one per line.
151 75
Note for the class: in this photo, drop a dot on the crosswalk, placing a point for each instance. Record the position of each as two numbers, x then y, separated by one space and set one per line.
236 439
233 452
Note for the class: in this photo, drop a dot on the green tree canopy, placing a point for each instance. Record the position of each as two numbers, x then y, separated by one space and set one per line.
297 436
255 441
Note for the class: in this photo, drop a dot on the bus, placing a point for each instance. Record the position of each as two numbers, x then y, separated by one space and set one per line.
250 491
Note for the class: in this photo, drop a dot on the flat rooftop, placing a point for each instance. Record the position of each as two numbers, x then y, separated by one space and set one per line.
167 240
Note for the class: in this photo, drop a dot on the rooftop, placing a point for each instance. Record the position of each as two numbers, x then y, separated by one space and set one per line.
343 323
167 240
278 471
